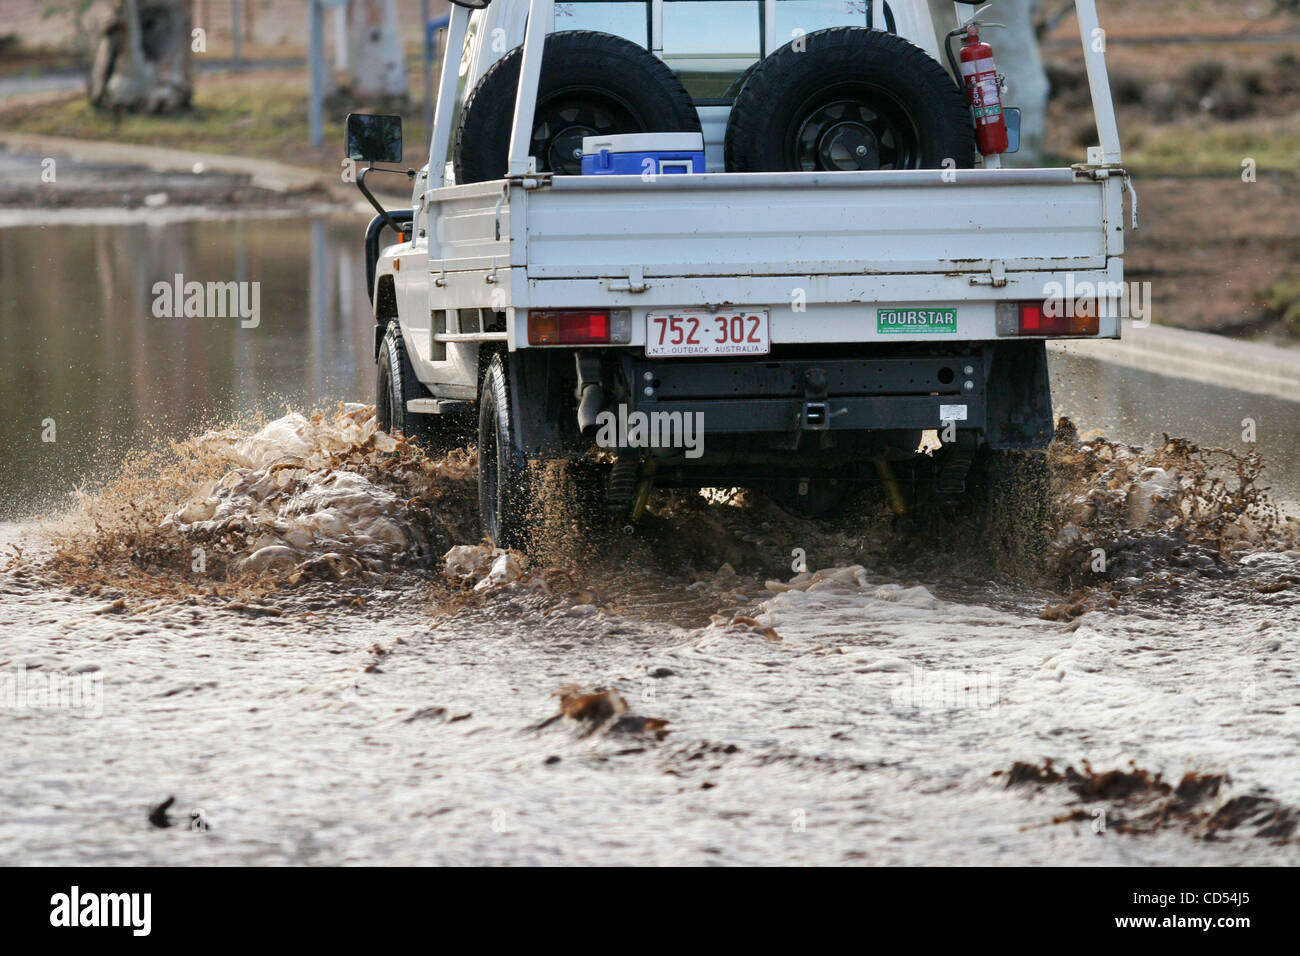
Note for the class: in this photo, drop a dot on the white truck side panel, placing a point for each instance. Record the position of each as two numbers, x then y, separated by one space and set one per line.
471 228
765 224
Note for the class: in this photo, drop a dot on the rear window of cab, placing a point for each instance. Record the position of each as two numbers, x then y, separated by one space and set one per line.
709 44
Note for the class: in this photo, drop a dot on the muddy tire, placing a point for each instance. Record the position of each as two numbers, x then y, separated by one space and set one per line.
395 385
1012 495
505 494
568 520
846 99
591 84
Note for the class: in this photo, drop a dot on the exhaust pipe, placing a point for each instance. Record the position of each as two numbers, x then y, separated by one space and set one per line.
590 403
590 393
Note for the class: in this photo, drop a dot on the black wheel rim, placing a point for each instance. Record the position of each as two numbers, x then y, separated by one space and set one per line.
852 127
569 115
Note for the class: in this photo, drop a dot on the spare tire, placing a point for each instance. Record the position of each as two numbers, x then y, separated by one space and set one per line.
592 84
850 99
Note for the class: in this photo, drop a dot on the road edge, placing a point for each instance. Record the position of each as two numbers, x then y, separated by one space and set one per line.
1255 367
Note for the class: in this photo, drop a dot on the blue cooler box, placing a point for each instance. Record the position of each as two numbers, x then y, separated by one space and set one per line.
635 154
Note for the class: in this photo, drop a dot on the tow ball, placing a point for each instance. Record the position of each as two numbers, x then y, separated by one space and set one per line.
817 413
817 416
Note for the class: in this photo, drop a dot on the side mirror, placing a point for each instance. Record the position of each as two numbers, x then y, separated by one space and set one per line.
374 138
472 4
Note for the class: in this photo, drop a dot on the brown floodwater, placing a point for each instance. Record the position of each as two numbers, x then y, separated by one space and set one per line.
80 345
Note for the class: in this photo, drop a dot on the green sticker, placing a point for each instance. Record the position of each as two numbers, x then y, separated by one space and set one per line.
916 321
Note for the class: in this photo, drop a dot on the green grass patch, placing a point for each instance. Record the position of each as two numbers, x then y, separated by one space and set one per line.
261 118
1192 151
1283 301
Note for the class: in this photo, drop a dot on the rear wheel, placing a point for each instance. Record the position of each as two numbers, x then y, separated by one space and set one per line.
504 480
1012 494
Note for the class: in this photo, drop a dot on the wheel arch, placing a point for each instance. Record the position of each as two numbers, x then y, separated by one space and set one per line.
538 382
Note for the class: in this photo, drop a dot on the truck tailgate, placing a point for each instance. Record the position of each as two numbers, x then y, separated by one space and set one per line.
767 224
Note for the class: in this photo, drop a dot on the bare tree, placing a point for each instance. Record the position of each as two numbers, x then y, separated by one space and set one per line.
142 58
375 55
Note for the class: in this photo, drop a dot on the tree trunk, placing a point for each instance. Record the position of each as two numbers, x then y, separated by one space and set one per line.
378 64
1019 59
142 58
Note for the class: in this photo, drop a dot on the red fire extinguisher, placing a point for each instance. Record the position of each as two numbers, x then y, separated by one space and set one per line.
984 93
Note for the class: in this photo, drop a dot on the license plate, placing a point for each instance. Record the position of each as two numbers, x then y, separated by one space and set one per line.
692 332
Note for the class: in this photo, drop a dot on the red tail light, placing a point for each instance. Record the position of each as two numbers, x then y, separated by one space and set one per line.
1035 318
579 327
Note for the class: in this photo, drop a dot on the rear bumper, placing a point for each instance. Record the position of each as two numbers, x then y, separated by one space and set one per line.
795 400
797 410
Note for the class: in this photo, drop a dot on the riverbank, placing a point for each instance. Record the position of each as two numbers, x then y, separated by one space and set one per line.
253 115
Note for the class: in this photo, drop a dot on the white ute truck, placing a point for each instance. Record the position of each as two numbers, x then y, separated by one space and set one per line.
733 243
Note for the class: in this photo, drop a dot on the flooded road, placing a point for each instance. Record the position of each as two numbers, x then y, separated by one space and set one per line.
83 348
900 703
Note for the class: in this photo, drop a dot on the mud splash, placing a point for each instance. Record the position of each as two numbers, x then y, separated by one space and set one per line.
1133 522
468 682
601 710
330 498
1139 802
326 497
1208 497
1160 519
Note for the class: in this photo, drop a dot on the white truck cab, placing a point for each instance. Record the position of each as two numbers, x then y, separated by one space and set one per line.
847 271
